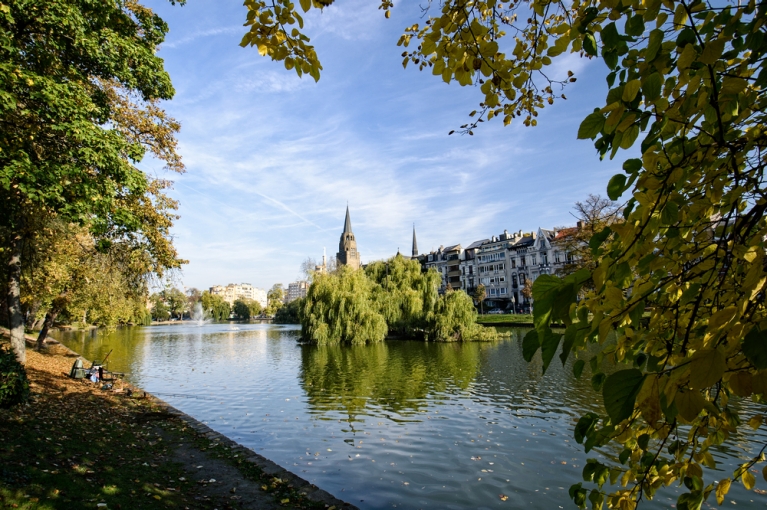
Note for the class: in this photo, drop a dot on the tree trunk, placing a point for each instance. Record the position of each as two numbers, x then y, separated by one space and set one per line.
15 317
49 318
31 313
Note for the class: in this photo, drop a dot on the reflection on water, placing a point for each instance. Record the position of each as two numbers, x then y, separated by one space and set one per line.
394 425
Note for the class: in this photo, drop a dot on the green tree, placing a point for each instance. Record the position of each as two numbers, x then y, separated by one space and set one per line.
391 297
689 77
60 154
480 293
339 309
176 302
275 299
215 306
244 309
160 310
290 313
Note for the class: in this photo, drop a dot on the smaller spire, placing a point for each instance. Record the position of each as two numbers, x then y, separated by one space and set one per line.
415 244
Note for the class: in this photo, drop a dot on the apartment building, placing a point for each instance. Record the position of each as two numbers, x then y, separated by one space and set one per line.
235 291
297 290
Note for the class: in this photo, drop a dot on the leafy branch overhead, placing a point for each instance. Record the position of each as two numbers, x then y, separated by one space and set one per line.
673 295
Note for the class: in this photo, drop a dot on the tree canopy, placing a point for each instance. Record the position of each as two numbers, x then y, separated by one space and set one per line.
392 297
675 296
69 72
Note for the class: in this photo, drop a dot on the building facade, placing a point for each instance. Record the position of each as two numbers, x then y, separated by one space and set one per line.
235 291
347 246
296 290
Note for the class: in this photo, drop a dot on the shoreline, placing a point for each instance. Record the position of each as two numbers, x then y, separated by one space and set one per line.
233 473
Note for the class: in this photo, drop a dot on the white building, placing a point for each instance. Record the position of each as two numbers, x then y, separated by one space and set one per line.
235 291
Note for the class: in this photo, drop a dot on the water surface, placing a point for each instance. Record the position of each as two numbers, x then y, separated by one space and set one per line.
395 425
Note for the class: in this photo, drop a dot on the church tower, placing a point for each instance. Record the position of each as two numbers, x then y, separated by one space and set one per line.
347 246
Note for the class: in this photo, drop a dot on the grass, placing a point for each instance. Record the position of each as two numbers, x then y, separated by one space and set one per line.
506 318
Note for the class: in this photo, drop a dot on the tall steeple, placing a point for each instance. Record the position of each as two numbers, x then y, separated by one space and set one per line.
347 247
348 222
415 244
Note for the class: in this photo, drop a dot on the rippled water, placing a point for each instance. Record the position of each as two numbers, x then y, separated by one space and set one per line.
396 425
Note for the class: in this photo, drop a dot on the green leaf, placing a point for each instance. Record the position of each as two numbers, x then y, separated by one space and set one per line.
635 26
597 239
616 186
585 426
620 391
755 348
597 380
549 347
633 165
306 5
591 126
530 345
578 367
654 44
567 345
630 90
590 45
651 87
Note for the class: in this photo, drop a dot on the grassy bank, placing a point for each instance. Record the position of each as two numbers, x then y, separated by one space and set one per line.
504 319
75 445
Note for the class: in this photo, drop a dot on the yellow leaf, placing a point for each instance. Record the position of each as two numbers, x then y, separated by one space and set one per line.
630 90
722 489
648 401
689 403
748 480
721 318
262 49
306 4
706 368
756 421
764 473
694 470
285 501
712 51
686 57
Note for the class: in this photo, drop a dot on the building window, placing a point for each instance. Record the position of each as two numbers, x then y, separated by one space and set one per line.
556 257
501 279
544 258
514 279
513 263
522 278
492 292
569 257
502 290
532 260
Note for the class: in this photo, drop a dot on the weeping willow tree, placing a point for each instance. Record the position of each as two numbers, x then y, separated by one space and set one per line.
391 297
339 309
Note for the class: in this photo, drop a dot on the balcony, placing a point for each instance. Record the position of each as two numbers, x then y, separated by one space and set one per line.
453 272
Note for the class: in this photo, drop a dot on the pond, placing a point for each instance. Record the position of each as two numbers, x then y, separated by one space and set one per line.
397 425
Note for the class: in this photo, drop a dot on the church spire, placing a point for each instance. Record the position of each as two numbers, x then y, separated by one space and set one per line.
415 244
348 222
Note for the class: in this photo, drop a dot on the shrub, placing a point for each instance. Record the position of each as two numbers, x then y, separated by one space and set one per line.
14 386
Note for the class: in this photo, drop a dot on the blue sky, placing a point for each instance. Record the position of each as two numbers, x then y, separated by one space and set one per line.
273 159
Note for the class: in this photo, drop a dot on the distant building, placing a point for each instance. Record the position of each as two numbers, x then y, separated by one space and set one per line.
235 291
296 290
347 246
